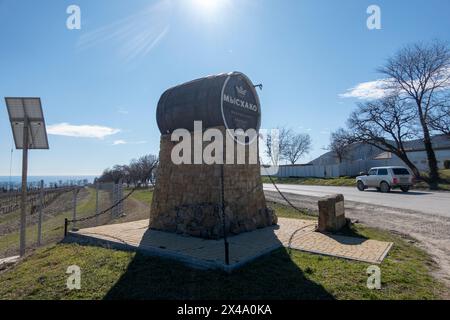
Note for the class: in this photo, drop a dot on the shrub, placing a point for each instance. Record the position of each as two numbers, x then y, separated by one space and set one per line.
447 164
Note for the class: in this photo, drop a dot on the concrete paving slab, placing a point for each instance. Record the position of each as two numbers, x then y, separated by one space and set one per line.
201 253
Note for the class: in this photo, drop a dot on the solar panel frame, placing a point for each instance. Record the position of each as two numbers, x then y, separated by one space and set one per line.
30 108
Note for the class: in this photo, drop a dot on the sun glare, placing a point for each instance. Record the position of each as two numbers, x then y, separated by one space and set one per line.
208 6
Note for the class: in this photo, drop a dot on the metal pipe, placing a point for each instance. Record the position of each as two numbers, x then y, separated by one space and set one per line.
96 204
66 224
74 227
23 202
225 240
41 207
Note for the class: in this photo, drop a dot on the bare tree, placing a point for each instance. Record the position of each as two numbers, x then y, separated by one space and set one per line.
440 121
297 145
135 171
386 124
126 174
106 176
278 141
420 73
339 142
291 146
148 165
138 171
117 173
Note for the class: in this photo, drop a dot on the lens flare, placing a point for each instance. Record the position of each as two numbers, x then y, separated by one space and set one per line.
208 6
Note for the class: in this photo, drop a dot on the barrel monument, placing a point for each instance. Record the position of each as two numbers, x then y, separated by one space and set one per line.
229 100
188 197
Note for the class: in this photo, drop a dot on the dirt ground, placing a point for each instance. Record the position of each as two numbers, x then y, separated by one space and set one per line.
431 233
135 210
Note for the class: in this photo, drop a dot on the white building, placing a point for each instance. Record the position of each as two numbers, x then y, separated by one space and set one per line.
361 157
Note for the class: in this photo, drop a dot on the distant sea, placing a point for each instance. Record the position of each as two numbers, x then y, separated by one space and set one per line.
34 180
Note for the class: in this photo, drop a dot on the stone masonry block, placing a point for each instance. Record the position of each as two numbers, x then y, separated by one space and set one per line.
331 213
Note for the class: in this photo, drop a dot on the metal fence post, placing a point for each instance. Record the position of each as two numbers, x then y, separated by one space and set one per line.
41 207
96 204
120 196
113 200
74 216
116 197
222 200
24 195
66 224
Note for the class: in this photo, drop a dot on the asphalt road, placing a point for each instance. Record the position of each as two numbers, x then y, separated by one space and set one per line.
436 203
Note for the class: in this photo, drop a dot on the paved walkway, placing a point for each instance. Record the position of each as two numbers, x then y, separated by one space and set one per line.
293 233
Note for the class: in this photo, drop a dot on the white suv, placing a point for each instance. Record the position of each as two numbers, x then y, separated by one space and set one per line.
386 178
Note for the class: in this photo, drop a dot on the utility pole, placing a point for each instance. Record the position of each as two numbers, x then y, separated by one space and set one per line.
28 128
96 204
41 207
222 198
23 202
74 215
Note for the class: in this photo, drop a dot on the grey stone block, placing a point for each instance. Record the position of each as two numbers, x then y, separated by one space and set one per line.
331 213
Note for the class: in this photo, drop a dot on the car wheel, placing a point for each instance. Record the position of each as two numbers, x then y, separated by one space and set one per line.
404 189
360 186
384 187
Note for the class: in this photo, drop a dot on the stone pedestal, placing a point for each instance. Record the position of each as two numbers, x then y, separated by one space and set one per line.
331 213
187 197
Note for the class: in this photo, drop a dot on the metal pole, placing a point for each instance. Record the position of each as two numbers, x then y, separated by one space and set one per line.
225 240
23 202
96 204
66 224
74 215
41 207
119 198
113 200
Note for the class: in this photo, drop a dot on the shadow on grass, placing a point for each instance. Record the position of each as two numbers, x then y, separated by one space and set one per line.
273 276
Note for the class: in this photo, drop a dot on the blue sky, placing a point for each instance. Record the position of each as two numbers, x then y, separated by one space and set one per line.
101 84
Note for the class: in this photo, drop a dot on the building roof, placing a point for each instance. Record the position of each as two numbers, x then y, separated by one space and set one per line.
364 151
439 142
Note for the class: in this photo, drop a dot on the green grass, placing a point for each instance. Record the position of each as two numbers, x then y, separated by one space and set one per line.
288 212
14 215
112 274
341 181
444 184
143 195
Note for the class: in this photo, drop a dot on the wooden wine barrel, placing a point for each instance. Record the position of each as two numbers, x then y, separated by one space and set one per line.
228 100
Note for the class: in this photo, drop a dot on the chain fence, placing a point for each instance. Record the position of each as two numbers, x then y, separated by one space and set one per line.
102 216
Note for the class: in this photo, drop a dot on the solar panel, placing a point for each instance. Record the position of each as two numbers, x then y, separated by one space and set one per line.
30 110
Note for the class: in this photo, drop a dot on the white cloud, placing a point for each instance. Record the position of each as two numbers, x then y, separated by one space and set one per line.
378 89
119 142
367 90
81 131
122 111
